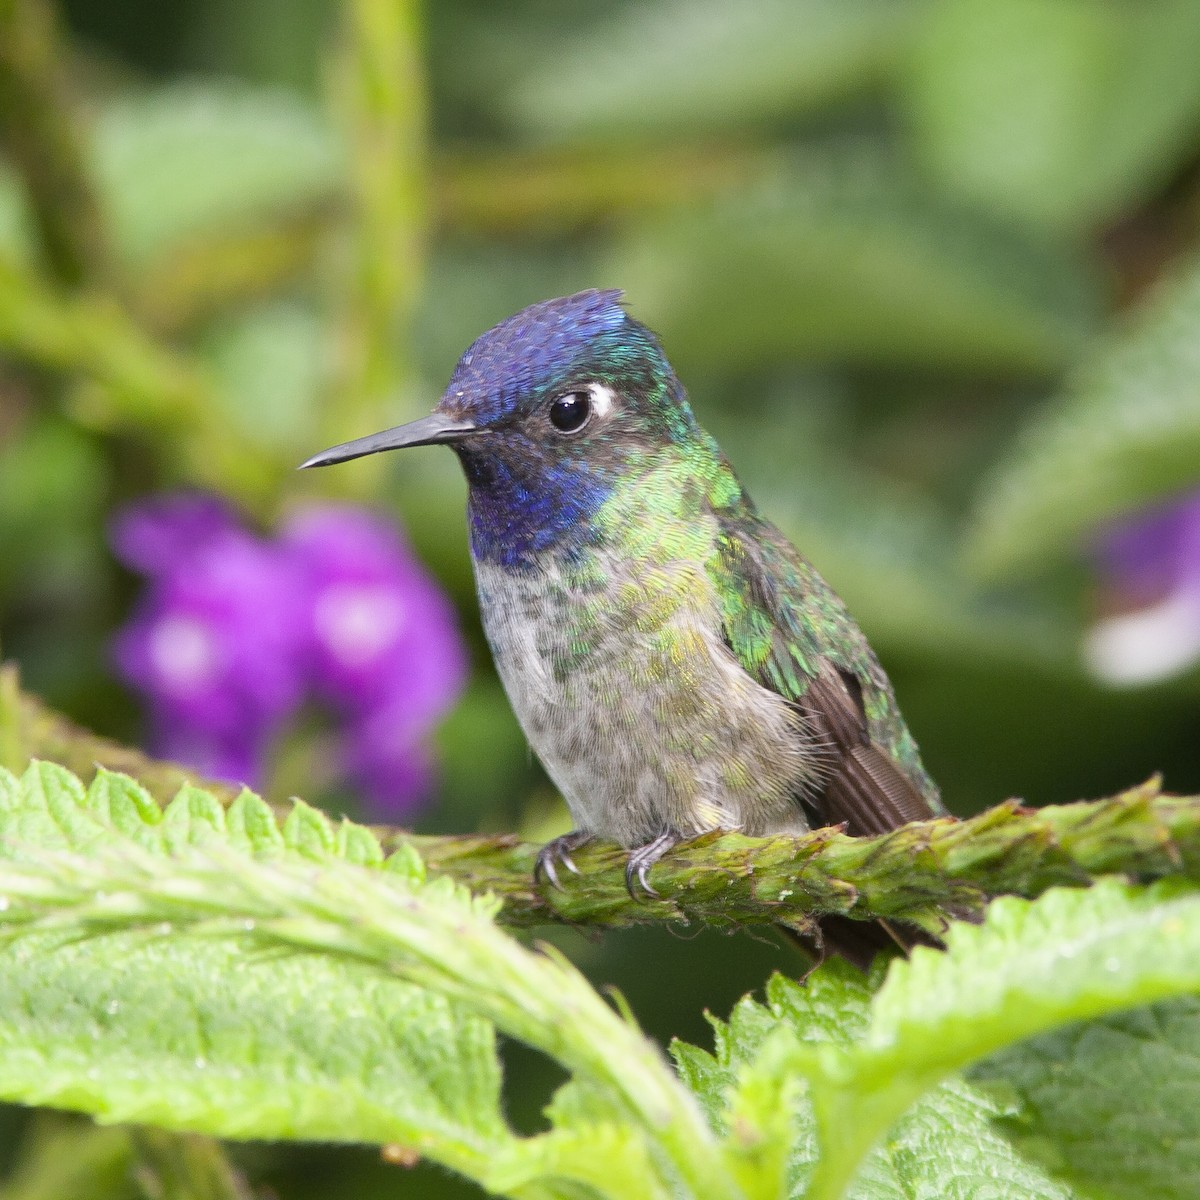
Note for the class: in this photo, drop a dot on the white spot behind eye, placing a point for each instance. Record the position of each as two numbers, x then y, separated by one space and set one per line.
601 397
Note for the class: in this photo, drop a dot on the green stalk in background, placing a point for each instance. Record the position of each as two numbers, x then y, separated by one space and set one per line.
39 133
378 82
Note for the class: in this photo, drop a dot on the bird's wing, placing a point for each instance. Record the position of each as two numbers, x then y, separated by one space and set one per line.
791 632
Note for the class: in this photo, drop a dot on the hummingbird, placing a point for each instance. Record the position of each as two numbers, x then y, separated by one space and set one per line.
676 665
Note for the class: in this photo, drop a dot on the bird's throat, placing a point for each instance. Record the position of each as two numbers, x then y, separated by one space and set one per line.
518 511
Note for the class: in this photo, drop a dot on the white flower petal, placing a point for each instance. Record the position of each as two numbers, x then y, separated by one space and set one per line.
1148 645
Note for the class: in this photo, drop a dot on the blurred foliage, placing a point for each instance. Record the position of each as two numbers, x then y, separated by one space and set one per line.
1127 426
927 267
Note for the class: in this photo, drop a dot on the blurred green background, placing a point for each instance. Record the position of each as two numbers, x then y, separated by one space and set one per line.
930 270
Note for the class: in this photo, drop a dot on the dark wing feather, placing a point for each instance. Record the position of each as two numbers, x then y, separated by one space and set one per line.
864 788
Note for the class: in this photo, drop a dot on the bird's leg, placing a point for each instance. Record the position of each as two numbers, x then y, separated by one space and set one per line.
643 858
558 853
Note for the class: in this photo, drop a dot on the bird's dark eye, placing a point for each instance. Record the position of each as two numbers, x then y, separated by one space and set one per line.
569 413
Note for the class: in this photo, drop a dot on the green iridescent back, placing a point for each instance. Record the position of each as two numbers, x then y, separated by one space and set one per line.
783 623
782 619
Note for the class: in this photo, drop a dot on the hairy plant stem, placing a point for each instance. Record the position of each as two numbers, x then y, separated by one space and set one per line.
923 873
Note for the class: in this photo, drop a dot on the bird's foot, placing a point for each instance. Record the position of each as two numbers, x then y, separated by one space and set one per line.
643 858
557 853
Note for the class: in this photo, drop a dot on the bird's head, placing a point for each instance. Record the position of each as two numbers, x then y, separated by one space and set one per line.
549 411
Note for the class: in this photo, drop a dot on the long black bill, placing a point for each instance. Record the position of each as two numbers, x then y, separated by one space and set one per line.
428 431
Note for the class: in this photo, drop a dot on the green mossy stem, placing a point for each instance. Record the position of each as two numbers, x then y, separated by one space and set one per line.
924 873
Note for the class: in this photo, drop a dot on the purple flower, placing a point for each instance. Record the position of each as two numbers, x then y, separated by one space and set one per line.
234 633
394 770
159 535
379 627
1150 563
214 641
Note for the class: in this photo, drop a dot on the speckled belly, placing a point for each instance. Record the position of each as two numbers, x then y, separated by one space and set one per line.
640 714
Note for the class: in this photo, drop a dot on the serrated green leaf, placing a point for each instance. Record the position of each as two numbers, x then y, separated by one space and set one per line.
767 1119
697 65
210 1034
250 825
1068 955
280 1047
831 1005
176 163
332 1067
944 1146
371 1016
122 803
406 860
706 1078
1126 432
49 813
357 844
847 258
1111 1105
948 1145
1062 114
193 818
1031 967
945 1142
307 831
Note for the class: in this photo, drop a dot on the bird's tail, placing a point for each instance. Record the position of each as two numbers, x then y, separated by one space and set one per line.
859 942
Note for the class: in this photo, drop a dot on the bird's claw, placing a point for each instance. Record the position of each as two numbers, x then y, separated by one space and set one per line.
635 872
557 853
641 860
